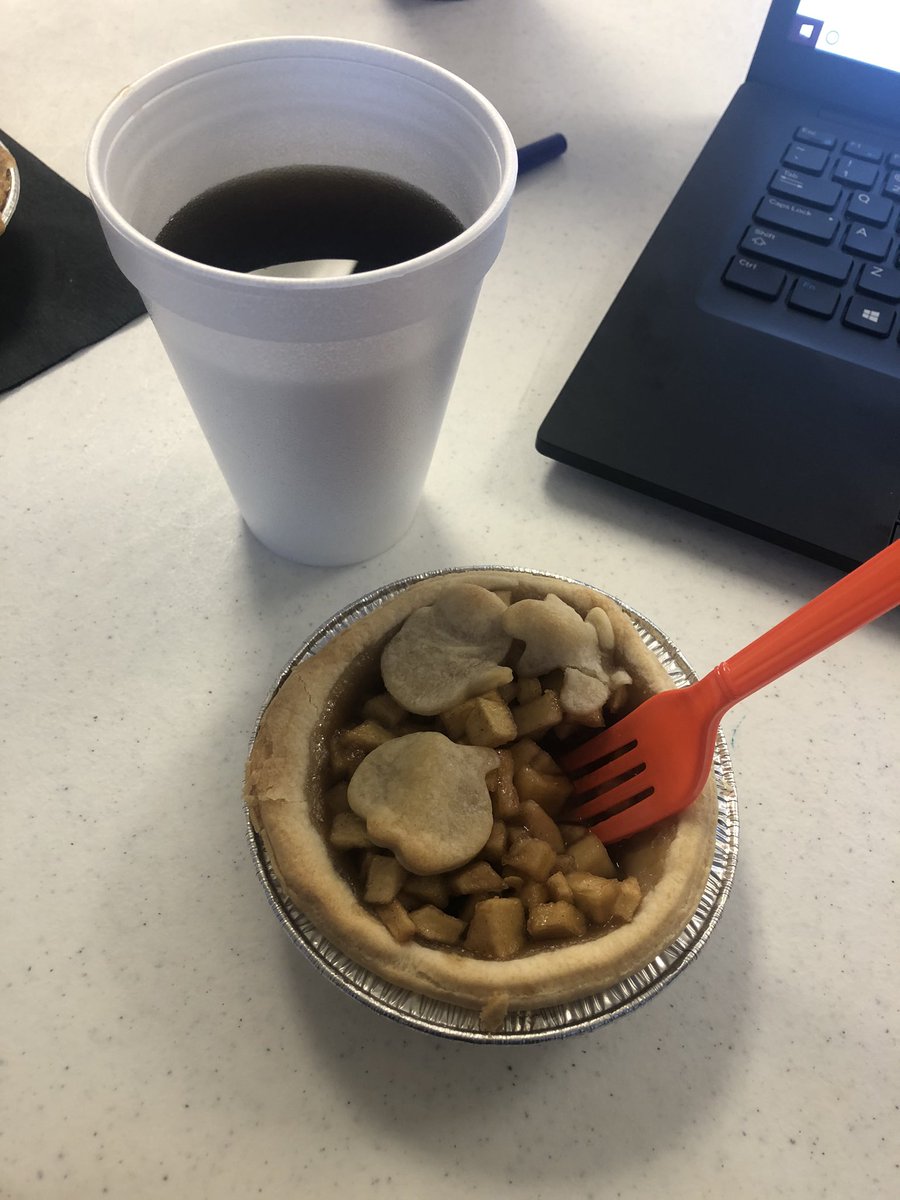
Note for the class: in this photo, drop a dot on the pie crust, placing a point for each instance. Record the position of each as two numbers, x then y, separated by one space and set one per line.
7 166
287 775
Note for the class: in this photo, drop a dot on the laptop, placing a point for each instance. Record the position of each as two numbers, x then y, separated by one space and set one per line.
749 369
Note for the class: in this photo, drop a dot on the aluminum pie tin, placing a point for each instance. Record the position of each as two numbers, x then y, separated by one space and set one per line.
538 1025
9 186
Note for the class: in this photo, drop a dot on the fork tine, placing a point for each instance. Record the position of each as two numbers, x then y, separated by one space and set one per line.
623 795
628 759
598 746
625 824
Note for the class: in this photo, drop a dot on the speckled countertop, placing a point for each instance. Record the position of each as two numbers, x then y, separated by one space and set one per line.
158 1034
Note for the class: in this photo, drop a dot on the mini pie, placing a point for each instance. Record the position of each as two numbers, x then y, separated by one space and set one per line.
449 684
7 165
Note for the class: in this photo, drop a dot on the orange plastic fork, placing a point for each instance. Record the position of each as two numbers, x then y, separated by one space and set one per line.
654 762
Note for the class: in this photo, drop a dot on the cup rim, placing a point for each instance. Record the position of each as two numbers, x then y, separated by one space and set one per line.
228 53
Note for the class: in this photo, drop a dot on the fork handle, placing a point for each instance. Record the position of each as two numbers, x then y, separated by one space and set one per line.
866 593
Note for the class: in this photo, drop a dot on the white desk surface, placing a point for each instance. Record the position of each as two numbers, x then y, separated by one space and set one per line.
159 1037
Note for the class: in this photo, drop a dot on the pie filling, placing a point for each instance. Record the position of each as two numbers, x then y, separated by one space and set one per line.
403 783
6 179
446 804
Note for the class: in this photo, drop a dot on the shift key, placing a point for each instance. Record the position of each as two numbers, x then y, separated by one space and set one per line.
823 262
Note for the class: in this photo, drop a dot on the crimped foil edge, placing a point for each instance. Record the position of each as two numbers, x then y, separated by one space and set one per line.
538 1025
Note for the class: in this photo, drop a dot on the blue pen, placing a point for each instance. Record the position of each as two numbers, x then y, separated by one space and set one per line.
535 154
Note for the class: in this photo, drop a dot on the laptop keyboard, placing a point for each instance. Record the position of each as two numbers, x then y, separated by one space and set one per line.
823 240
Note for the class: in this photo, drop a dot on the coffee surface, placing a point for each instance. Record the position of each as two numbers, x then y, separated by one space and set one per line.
297 213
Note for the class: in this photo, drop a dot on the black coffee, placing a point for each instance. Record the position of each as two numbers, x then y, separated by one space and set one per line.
291 214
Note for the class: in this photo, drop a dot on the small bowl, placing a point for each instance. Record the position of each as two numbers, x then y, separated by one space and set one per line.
9 187
462 1024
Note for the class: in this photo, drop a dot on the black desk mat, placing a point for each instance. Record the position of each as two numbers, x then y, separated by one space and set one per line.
60 290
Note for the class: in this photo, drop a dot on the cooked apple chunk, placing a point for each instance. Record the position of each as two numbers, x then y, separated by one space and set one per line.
538 717
497 928
478 876
628 901
558 887
528 689
594 896
396 920
541 826
558 919
437 926
549 791
348 832
504 794
531 857
430 889
384 879
532 893
489 723
591 855
495 847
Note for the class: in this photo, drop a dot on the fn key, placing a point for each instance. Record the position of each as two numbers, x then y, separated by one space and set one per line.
758 278
812 296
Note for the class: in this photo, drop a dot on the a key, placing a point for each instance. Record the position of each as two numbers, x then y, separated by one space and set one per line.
867 207
822 262
754 277
807 189
857 174
870 316
815 137
813 296
797 218
863 150
805 158
874 244
879 281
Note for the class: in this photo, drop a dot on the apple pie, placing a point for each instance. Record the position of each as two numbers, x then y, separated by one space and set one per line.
404 783
7 167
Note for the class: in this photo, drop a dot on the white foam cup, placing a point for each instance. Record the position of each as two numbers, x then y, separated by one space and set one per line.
321 399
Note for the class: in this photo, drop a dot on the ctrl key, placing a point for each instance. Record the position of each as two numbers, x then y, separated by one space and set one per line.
758 278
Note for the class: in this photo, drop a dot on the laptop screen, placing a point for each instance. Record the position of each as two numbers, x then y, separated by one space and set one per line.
865 31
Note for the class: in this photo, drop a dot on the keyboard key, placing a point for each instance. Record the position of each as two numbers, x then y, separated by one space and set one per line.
857 174
797 218
815 137
806 158
874 244
869 316
754 277
812 296
892 184
893 160
881 282
872 209
864 150
822 262
808 189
